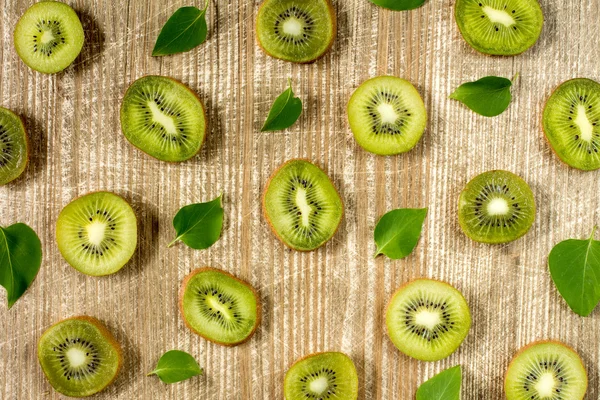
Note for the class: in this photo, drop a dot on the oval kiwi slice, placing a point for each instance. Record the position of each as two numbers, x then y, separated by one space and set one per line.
572 123
499 27
49 36
427 319
296 30
322 376
302 206
219 307
14 149
97 233
496 207
79 356
163 118
546 371
387 115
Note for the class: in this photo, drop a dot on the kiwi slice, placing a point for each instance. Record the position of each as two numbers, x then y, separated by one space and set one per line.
97 233
219 307
499 27
79 356
572 123
387 115
302 206
427 319
496 207
322 376
296 30
49 36
546 371
14 149
163 118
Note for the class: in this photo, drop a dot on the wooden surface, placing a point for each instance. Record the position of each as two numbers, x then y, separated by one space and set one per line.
329 299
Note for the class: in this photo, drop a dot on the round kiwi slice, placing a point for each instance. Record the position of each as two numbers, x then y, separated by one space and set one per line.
219 307
296 30
496 207
427 319
49 36
572 123
302 206
163 118
499 27
79 356
97 233
387 115
322 376
546 371
14 149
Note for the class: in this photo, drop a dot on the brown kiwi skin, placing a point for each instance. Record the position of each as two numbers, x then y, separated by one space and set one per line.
27 146
265 208
205 269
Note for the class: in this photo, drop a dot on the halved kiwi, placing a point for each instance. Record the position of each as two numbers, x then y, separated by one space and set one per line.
387 115
546 370
572 123
322 376
97 233
49 36
496 207
427 319
296 30
302 206
163 118
79 356
219 307
14 149
499 27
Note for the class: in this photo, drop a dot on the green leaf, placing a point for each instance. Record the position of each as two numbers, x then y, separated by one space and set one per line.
443 386
398 5
398 232
199 225
185 30
176 366
489 96
575 269
284 112
20 259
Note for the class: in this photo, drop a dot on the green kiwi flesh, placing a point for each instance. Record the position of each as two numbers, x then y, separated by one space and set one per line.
296 30
79 356
219 307
387 115
546 371
499 27
163 118
572 123
427 319
97 233
49 36
322 376
302 206
496 207
14 149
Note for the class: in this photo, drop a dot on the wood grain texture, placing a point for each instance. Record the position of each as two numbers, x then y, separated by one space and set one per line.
329 299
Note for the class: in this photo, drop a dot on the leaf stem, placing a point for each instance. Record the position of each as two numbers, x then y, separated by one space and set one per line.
206 5
593 232
290 83
173 242
514 78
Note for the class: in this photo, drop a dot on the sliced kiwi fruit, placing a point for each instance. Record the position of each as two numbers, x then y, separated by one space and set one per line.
296 30
572 123
546 370
387 115
219 307
427 319
49 36
322 376
496 207
499 27
302 206
79 356
14 148
97 233
163 118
